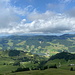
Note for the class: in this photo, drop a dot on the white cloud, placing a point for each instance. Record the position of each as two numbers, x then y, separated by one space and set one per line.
10 15
35 15
47 22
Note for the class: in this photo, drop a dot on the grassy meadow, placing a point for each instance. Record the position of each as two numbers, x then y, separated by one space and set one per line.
45 72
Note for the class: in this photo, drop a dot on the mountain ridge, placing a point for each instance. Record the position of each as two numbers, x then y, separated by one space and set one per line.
47 44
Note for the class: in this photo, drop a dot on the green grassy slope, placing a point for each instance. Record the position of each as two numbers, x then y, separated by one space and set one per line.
45 72
11 60
48 45
16 64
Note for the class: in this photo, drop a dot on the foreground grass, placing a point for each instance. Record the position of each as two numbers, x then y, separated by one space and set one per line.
7 69
45 72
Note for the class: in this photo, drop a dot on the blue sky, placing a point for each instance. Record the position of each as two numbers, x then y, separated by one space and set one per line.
42 5
37 16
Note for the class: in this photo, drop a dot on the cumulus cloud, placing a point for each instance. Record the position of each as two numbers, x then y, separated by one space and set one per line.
47 22
35 15
34 22
9 16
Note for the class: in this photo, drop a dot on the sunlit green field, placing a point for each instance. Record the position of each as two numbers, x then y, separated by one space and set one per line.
37 65
7 68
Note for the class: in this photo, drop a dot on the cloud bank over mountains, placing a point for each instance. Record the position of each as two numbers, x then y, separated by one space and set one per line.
15 19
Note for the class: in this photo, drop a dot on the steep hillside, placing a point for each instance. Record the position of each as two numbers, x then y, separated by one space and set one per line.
59 64
63 55
18 62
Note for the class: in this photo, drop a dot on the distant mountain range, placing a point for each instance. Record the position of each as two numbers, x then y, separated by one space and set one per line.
44 44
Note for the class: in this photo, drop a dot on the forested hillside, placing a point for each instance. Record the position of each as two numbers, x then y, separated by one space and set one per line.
40 44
